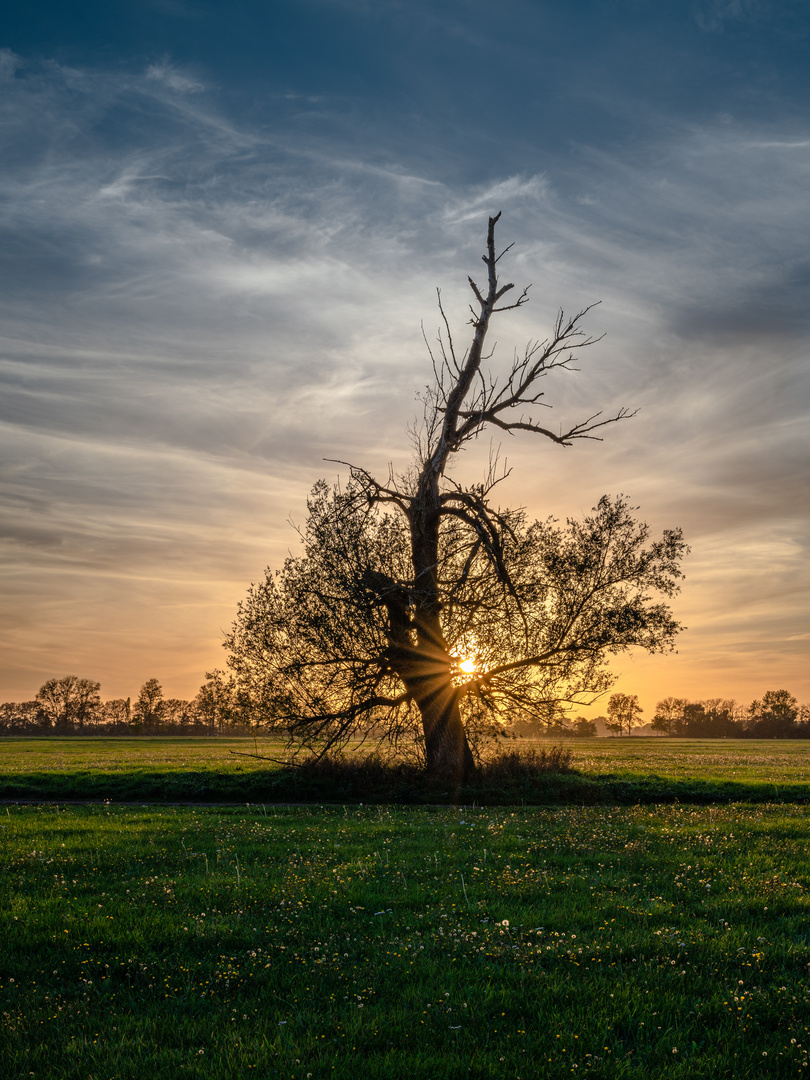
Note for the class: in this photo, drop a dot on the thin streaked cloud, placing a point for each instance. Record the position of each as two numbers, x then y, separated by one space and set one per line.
207 291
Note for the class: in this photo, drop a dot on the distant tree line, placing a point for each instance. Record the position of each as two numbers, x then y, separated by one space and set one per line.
73 706
776 715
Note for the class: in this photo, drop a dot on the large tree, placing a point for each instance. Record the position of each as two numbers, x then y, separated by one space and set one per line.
420 608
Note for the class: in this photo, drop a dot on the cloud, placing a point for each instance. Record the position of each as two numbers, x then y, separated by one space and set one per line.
198 309
716 14
166 73
9 63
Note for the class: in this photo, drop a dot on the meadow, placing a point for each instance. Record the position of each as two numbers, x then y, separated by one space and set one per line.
607 771
389 942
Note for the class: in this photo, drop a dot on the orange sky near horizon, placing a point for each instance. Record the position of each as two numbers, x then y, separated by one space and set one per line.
121 629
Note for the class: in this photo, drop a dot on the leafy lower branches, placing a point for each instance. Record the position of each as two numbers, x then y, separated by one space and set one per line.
326 646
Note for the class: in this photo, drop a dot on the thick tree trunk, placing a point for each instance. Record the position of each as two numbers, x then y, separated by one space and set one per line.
431 683
426 670
447 750
421 658
428 679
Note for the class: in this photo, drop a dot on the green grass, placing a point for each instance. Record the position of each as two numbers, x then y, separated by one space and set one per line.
154 768
651 769
758 761
609 771
362 943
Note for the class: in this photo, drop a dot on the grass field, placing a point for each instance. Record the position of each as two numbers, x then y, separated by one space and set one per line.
362 943
629 771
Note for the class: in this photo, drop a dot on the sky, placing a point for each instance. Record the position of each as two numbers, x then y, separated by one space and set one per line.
222 227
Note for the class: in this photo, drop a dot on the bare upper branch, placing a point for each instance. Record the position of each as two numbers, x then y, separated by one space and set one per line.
465 398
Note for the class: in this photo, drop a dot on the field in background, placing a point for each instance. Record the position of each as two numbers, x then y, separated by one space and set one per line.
387 943
126 768
121 754
758 761
629 770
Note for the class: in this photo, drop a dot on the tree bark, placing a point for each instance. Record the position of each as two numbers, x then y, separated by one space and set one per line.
419 655
430 682
447 750
430 679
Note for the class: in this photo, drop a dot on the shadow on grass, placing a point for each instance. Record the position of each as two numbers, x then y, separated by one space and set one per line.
543 777
537 777
531 778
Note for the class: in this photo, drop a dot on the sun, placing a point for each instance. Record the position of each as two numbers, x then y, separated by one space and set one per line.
467 666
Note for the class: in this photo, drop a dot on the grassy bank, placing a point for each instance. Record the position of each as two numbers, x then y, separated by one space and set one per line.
605 772
422 943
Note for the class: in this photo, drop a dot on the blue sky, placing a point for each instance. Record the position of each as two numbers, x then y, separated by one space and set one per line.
221 227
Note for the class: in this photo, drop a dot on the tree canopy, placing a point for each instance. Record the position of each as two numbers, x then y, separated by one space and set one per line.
69 701
623 713
419 611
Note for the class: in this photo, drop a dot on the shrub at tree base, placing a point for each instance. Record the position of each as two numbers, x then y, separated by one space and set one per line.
543 775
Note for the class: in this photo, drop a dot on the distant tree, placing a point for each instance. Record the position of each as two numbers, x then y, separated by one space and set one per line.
669 715
217 701
69 703
551 723
623 713
88 703
22 717
177 714
8 717
116 712
719 720
147 713
774 716
421 610
582 728
695 722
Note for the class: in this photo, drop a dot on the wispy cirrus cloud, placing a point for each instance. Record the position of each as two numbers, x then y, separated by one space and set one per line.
176 80
715 14
197 308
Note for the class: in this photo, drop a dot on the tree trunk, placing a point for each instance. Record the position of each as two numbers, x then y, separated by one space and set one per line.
425 667
427 674
447 750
